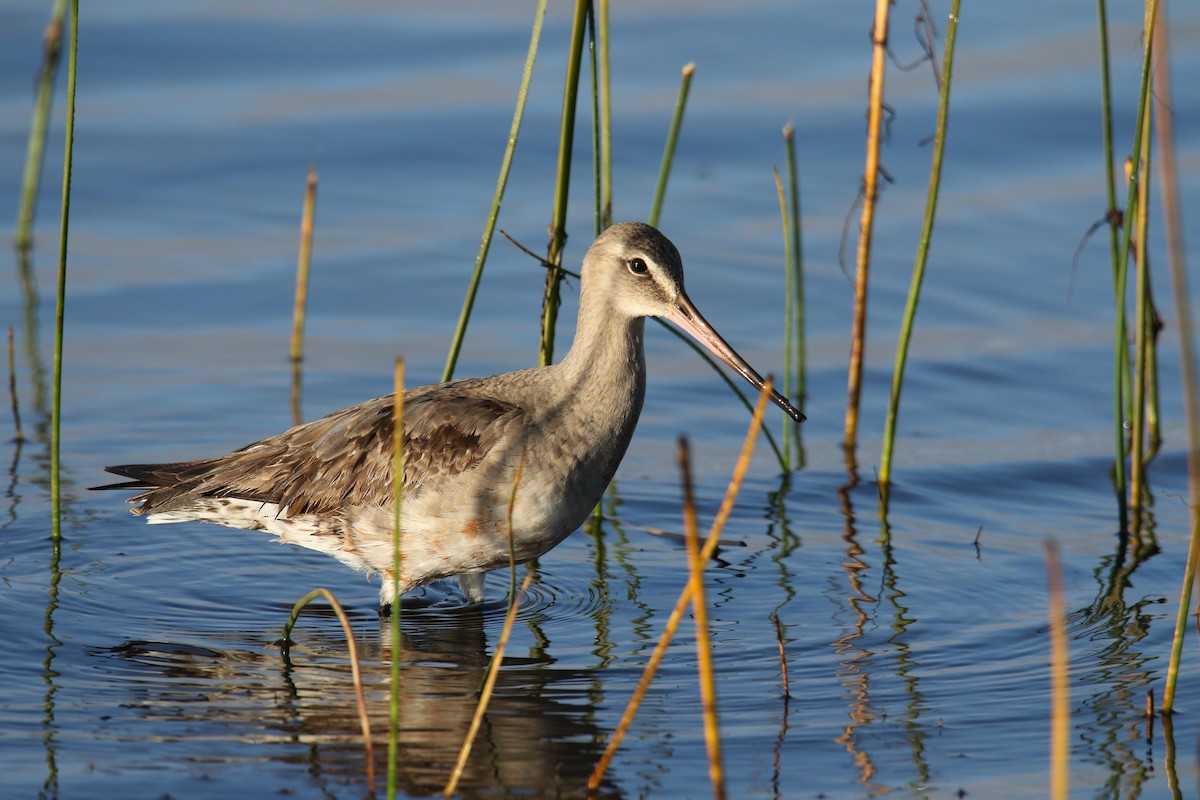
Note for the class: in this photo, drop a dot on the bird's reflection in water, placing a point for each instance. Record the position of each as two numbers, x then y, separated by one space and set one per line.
539 737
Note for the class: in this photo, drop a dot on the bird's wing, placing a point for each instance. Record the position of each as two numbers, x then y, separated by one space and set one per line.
339 460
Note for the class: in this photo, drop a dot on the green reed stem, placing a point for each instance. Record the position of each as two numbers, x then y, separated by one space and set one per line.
1137 419
1120 353
606 178
1112 214
60 305
788 311
914 289
489 227
364 719
39 124
664 170
558 227
597 167
397 559
794 337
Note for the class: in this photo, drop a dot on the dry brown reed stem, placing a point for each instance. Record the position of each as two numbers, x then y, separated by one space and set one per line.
490 684
708 688
870 192
710 545
303 262
397 561
18 434
364 721
1060 712
1169 188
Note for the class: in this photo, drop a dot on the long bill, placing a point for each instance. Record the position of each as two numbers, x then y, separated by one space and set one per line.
684 314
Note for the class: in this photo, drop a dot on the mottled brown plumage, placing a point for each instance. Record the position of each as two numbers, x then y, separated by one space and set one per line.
327 484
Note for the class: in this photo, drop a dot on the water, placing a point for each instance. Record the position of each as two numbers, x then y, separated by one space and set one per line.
144 666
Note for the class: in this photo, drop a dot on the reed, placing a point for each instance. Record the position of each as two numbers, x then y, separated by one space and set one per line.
303 263
562 185
489 685
794 349
18 433
489 228
870 193
664 168
708 691
597 167
39 123
1120 354
60 304
922 258
1141 305
364 720
606 179
1060 714
1168 186
685 597
397 563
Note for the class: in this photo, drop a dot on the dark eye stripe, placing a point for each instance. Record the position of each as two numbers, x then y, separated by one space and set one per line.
638 266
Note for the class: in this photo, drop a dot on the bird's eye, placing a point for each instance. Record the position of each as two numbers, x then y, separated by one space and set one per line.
638 266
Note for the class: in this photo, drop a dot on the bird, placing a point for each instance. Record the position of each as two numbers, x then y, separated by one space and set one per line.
544 440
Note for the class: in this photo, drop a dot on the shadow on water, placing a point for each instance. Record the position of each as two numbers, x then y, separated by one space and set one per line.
538 738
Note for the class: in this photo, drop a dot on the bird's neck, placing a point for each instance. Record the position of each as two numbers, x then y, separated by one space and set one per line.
606 365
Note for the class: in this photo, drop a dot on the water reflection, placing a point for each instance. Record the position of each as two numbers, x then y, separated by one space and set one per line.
538 739
854 663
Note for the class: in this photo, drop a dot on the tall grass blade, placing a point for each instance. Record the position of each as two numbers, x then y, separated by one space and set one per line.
870 193
685 597
664 169
918 275
489 227
364 720
39 124
60 305
562 186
